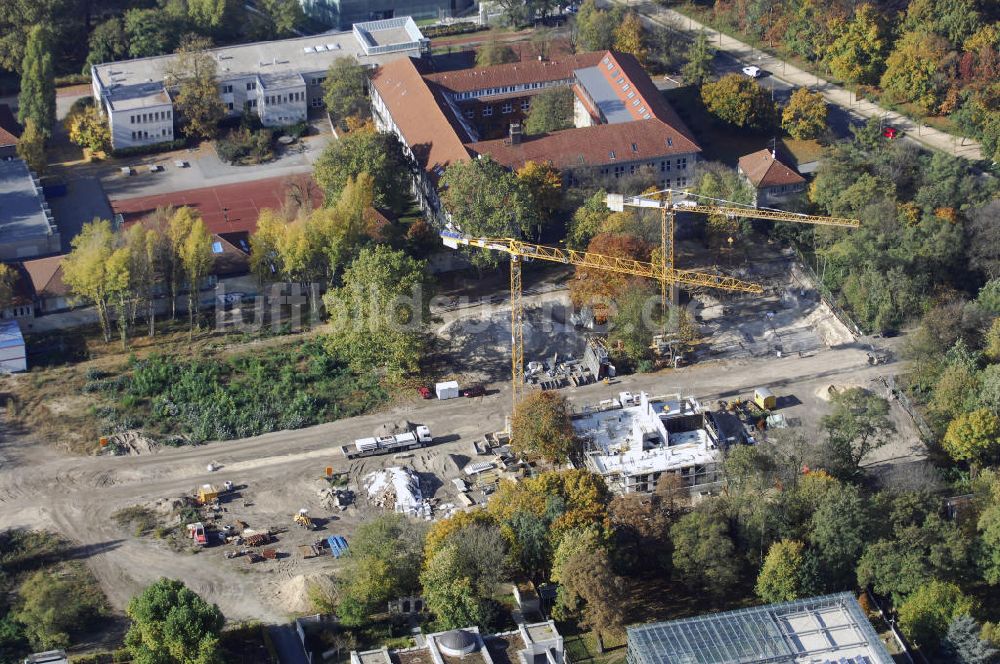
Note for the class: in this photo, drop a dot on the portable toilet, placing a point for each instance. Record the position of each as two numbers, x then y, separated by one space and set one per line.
447 390
764 398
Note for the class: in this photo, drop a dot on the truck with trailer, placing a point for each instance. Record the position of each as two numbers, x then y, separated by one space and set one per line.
419 436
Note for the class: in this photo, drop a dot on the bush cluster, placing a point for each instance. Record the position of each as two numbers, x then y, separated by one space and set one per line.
453 29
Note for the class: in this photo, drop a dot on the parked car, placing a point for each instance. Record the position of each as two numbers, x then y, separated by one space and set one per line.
751 71
425 392
891 132
474 391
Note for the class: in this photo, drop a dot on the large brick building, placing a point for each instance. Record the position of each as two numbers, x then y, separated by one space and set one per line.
622 125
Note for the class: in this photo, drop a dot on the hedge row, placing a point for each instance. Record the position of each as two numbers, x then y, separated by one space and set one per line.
155 148
453 29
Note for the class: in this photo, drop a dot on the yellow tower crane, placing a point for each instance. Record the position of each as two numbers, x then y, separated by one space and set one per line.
665 201
519 250
665 272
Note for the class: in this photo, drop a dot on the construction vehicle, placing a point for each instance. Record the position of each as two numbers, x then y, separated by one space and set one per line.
303 519
419 436
664 271
196 531
207 494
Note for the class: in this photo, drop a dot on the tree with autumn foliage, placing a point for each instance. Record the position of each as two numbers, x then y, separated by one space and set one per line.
739 101
858 51
544 185
595 287
541 427
805 115
630 37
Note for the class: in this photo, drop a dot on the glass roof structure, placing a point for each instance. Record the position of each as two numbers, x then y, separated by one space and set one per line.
831 629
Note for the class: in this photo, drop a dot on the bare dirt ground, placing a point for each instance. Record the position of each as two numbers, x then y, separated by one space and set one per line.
42 488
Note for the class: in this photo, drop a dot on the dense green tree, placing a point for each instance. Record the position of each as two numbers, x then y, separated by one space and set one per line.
857 53
171 624
487 200
781 576
460 579
379 154
150 32
595 28
634 322
739 101
550 111
31 148
89 129
699 56
194 74
541 427
963 643
37 100
587 220
345 90
59 604
284 16
838 533
196 260
704 556
107 43
379 313
916 553
383 563
805 114
925 616
857 425
494 53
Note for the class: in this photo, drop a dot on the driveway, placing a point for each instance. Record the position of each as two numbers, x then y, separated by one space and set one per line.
791 75
287 644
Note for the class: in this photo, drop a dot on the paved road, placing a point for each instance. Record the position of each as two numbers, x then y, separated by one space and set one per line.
287 644
792 75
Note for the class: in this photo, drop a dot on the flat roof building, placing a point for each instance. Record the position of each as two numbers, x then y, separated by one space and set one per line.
27 227
635 440
341 14
278 80
13 357
831 629
537 643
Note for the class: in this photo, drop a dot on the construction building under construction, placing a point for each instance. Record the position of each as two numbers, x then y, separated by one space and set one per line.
635 440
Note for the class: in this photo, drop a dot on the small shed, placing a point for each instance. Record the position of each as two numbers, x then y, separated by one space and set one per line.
13 357
447 390
47 657
764 398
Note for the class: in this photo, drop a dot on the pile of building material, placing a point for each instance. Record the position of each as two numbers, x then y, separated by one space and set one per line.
397 489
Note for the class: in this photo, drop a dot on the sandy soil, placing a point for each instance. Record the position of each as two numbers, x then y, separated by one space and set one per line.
282 471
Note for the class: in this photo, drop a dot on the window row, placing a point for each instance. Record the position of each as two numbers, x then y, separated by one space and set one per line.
156 116
284 99
505 108
507 89
145 135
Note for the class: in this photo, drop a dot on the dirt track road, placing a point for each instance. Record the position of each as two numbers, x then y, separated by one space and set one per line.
76 496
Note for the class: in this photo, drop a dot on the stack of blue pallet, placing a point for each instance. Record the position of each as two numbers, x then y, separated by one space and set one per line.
338 545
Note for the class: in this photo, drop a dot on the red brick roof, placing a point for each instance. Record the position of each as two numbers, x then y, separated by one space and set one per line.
764 170
592 146
45 276
417 112
10 130
515 73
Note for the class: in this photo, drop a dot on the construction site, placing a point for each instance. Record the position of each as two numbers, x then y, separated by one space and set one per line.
251 524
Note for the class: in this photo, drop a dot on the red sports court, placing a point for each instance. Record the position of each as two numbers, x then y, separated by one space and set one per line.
225 208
